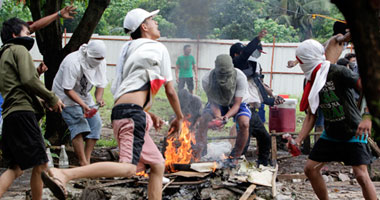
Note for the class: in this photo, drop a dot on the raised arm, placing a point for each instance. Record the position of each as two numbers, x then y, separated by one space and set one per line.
252 46
65 13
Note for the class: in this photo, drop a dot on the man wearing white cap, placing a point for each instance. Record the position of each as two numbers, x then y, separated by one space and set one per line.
329 88
144 66
78 73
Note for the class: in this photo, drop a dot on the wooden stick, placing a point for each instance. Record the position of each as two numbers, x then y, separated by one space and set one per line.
274 187
179 183
291 176
221 138
274 149
248 192
374 146
117 182
293 133
167 184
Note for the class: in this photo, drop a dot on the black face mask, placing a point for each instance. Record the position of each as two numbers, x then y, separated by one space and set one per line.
27 42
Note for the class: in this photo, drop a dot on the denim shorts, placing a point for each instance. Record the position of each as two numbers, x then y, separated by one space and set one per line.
77 123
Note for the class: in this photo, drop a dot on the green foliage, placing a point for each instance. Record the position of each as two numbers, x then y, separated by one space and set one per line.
166 28
323 28
106 143
234 19
281 32
297 13
289 20
11 9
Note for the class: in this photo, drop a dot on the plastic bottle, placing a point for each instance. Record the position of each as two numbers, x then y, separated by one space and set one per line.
292 145
50 158
63 159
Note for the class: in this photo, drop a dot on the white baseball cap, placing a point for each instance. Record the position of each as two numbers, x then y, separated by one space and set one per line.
135 18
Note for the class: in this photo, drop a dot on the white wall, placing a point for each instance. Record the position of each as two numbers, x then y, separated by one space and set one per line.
205 53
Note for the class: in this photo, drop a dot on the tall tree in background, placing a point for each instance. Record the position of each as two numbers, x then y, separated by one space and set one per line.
363 20
297 13
49 41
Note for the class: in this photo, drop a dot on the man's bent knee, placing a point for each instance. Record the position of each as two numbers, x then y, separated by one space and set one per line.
157 168
309 170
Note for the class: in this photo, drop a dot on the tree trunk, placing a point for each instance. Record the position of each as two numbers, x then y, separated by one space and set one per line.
362 19
284 6
49 41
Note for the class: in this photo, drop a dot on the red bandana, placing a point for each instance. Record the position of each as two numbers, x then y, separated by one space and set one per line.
306 91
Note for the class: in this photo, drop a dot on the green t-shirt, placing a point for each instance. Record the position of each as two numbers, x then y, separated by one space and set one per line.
185 64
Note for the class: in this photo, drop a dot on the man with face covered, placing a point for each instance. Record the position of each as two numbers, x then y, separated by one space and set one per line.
329 88
245 58
78 73
226 89
23 146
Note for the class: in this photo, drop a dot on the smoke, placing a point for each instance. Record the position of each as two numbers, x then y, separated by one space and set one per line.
217 151
191 105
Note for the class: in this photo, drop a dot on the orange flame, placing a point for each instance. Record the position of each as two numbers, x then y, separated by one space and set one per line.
183 154
142 173
214 167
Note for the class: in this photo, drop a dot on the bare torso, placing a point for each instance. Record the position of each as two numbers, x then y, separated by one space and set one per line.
138 97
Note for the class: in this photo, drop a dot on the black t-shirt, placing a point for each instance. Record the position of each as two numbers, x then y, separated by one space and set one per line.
336 99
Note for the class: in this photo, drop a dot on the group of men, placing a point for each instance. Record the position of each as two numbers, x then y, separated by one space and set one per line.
234 89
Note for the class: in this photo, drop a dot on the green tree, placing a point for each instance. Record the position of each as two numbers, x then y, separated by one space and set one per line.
11 9
297 13
234 19
281 32
323 28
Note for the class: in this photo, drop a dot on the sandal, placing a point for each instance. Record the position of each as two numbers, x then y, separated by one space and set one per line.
55 186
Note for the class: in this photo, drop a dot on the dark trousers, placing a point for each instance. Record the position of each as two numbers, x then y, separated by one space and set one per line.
257 129
188 81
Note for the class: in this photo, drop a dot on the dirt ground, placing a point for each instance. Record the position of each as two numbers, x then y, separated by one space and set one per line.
286 189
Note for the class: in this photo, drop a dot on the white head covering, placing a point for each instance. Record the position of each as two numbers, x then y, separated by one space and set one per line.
94 69
310 54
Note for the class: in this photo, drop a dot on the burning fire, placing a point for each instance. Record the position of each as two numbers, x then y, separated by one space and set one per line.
142 173
215 165
182 154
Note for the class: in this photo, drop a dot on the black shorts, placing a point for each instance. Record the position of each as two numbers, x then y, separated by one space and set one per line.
23 144
350 153
189 81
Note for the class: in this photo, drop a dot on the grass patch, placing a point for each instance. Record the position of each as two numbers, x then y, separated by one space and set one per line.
106 143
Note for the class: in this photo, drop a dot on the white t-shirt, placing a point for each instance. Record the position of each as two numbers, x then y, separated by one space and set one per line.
241 84
147 61
71 77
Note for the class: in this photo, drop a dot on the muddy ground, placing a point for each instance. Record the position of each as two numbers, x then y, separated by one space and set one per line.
287 189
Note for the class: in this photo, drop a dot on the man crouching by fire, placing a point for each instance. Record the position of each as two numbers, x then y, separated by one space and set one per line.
225 87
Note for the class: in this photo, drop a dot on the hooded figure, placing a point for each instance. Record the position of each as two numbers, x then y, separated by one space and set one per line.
93 67
221 89
310 55
80 71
